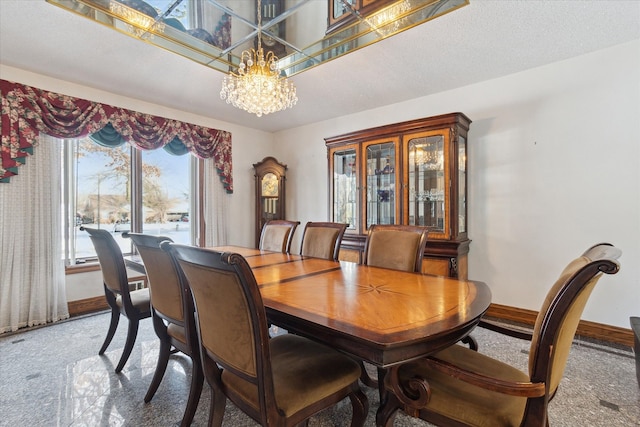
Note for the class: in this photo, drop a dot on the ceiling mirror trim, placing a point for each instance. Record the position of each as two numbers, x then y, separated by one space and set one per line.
360 32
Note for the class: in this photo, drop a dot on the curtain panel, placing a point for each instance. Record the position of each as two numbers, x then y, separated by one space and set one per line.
28 111
32 280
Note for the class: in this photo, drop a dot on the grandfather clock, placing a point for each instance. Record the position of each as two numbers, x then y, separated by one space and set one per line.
271 9
270 191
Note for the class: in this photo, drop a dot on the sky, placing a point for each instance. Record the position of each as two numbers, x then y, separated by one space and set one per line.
174 173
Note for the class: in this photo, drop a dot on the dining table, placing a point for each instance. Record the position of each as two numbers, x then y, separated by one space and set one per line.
379 316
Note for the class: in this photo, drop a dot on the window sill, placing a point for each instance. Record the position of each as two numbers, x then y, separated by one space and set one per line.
82 268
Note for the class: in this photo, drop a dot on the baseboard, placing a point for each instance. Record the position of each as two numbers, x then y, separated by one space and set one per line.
87 305
599 331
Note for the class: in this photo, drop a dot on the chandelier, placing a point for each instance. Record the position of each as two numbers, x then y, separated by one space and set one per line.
258 87
388 21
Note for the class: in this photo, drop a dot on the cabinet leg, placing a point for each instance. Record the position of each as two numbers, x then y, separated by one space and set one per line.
453 267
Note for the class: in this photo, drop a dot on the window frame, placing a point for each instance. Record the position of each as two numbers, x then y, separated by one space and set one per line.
75 264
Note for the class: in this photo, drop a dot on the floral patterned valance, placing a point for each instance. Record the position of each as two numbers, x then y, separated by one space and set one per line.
27 111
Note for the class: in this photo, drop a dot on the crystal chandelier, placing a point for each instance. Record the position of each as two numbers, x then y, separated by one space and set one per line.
258 86
388 21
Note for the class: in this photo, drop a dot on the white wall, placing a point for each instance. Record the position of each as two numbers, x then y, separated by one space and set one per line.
554 165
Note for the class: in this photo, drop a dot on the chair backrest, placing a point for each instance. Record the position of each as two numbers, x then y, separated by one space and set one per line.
114 271
398 247
230 315
277 235
560 314
322 239
168 299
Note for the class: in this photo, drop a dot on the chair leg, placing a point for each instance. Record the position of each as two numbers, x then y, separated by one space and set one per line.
113 325
216 410
360 406
471 342
128 346
197 380
161 367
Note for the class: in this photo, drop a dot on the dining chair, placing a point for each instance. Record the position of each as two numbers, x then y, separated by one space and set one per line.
322 239
173 316
465 387
635 328
134 305
282 380
277 235
395 246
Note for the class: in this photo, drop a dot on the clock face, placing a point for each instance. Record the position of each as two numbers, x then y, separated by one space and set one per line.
270 41
269 185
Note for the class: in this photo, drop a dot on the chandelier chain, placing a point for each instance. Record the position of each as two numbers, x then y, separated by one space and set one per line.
259 24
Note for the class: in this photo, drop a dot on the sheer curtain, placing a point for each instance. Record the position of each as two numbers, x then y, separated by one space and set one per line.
32 279
216 206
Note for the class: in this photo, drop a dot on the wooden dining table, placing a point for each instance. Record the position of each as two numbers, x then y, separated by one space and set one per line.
383 317
380 316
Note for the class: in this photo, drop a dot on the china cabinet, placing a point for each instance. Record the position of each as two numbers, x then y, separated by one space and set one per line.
270 192
343 12
412 173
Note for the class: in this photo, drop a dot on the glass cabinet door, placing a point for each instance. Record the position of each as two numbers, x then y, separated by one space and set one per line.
427 181
344 197
339 8
381 165
462 185
270 193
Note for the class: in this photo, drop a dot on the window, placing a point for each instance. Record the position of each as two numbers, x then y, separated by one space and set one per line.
166 195
120 188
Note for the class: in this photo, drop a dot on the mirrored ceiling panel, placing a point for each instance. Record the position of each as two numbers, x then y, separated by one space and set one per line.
301 33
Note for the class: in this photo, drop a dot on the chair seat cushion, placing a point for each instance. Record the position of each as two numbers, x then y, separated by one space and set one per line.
177 332
140 300
467 403
304 372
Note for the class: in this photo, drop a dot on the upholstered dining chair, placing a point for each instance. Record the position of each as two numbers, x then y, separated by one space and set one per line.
635 328
397 247
468 388
173 316
322 239
134 305
280 381
277 235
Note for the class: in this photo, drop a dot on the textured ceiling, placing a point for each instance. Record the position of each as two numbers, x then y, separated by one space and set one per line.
482 41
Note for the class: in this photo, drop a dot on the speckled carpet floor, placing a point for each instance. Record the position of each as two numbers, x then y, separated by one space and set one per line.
52 376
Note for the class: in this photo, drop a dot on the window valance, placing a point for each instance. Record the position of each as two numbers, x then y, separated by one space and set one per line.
27 111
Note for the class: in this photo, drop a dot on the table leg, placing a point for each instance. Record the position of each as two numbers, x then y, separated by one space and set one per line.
410 397
388 407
